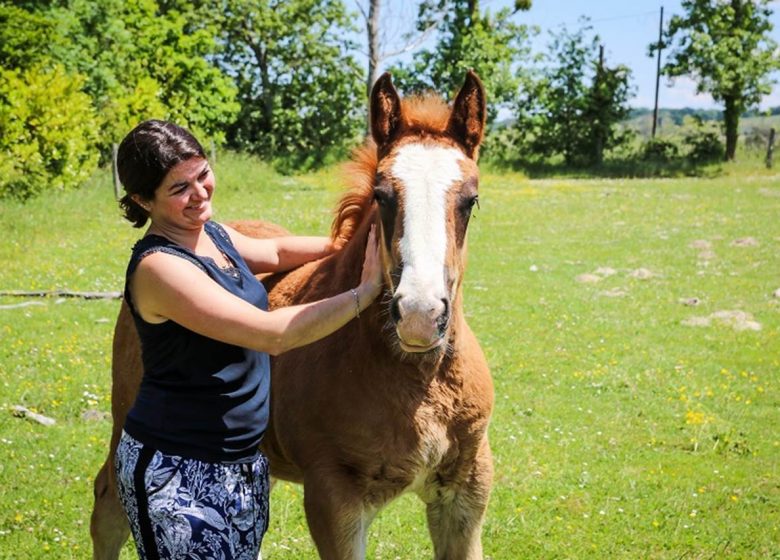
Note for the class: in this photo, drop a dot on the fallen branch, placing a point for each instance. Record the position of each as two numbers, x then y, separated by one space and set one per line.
24 412
62 293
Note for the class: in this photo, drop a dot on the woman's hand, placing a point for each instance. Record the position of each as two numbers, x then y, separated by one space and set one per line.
371 277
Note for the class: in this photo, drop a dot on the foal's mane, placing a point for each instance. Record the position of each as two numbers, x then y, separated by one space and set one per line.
422 115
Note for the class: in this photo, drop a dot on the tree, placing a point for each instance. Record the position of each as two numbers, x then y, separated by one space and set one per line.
300 89
48 127
144 59
77 75
390 33
490 44
48 131
372 29
573 104
606 106
26 37
383 38
725 46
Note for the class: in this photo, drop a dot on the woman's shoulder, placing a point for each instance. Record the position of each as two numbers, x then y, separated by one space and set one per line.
152 244
149 242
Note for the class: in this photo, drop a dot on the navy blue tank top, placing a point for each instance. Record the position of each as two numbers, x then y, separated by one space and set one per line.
200 398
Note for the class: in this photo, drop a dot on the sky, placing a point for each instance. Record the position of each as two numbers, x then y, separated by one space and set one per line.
626 28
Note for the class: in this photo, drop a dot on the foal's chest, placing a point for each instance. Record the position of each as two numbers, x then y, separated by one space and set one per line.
444 445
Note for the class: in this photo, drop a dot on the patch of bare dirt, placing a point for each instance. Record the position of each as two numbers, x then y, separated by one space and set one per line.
736 319
642 274
588 278
701 244
605 271
704 247
774 193
597 276
615 292
745 242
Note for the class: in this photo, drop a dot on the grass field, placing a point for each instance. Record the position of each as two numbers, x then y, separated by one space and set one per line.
630 326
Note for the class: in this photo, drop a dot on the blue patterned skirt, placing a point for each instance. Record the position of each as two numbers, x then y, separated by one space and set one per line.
187 509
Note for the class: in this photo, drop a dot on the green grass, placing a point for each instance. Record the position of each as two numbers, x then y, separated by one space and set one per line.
618 432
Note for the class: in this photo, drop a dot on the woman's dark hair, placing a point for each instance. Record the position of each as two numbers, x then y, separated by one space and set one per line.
144 158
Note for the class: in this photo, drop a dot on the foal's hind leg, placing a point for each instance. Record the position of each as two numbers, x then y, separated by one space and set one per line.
109 526
455 520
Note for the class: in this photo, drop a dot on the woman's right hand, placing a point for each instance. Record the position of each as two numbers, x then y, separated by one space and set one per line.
371 277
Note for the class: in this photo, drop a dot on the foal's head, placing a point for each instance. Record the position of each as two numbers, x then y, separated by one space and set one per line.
425 188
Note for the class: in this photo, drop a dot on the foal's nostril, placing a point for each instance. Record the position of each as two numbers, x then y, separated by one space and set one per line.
444 318
395 310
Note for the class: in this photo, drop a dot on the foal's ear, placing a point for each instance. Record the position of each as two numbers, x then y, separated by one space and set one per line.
385 110
467 121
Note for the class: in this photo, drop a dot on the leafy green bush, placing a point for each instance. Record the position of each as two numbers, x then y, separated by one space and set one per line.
503 146
48 131
703 142
659 150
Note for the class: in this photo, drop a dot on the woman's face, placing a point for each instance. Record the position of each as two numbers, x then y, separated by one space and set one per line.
183 199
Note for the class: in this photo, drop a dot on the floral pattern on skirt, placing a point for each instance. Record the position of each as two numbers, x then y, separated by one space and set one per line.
190 509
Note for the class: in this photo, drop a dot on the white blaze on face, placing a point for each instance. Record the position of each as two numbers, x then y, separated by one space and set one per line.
427 174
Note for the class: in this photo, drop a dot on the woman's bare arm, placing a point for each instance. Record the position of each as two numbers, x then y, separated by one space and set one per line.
166 287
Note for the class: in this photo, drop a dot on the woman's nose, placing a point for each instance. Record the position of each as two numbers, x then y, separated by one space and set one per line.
201 190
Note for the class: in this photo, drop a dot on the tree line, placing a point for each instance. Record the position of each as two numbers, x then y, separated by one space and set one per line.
284 79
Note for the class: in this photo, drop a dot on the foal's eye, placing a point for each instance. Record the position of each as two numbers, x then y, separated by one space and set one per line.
382 197
469 203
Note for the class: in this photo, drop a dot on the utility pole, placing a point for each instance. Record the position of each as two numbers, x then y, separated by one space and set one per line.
658 70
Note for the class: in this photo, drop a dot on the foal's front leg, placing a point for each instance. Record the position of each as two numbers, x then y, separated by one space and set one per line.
337 518
455 519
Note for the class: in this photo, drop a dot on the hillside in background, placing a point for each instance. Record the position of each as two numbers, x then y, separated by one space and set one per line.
669 120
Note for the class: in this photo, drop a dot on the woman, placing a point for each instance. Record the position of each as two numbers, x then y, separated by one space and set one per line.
190 475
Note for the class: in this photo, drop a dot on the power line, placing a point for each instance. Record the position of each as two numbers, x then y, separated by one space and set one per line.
613 18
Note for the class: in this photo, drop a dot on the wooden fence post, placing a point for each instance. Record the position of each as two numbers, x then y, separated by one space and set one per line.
770 148
117 187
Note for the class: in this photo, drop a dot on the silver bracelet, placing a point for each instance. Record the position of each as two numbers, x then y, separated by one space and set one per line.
357 302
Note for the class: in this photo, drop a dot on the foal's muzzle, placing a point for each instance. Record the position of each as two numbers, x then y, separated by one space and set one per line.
420 323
